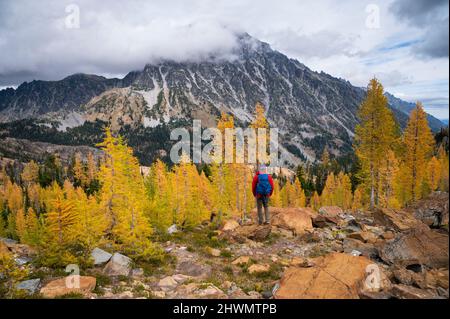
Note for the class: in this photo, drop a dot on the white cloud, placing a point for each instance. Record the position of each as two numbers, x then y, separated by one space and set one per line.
118 36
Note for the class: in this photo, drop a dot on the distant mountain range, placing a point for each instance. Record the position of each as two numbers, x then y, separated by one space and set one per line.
312 110
407 107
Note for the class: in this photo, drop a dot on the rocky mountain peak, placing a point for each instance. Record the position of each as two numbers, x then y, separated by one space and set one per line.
311 110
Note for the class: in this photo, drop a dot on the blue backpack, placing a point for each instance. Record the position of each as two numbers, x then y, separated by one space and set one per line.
263 186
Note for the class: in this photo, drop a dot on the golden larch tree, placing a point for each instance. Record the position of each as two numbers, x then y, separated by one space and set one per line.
418 144
375 136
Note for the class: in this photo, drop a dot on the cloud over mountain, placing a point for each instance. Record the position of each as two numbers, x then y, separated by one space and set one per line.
115 37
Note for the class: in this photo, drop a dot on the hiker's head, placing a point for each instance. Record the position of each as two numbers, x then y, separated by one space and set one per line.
263 169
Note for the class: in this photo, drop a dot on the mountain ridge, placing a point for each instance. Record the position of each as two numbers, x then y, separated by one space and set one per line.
312 110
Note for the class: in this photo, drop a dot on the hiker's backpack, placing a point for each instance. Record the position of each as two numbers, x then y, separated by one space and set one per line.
263 187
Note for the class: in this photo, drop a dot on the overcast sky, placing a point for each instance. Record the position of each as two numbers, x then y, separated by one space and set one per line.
402 42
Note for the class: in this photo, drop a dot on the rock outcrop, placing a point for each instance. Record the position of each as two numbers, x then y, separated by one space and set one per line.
330 211
334 276
31 286
398 220
433 210
296 220
230 225
67 285
252 232
118 265
100 256
420 246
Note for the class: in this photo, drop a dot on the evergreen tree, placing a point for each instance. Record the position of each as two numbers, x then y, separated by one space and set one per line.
260 121
275 199
315 201
418 144
389 171
434 173
160 196
337 191
30 173
444 164
123 199
91 223
58 227
375 136
79 174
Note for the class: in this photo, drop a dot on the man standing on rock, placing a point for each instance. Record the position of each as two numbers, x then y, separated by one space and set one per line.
262 188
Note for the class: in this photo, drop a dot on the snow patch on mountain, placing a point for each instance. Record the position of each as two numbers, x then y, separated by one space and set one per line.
150 122
151 96
71 120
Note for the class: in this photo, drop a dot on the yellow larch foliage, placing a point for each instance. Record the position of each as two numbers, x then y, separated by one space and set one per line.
260 122
315 201
79 172
434 171
58 227
337 191
389 170
33 228
123 199
13 196
300 198
160 195
359 199
20 224
91 172
30 173
418 144
33 193
444 164
327 198
275 199
375 136
91 223
292 194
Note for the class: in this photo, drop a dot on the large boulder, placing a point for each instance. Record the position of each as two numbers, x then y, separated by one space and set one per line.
396 219
296 220
433 210
368 250
437 278
409 292
258 233
330 211
230 225
322 221
72 284
419 246
194 269
100 256
277 210
258 269
299 210
118 265
364 236
253 232
334 276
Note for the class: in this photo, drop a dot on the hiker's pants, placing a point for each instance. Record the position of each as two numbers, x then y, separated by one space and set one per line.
260 202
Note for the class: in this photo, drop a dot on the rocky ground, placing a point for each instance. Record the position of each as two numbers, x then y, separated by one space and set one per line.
302 254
